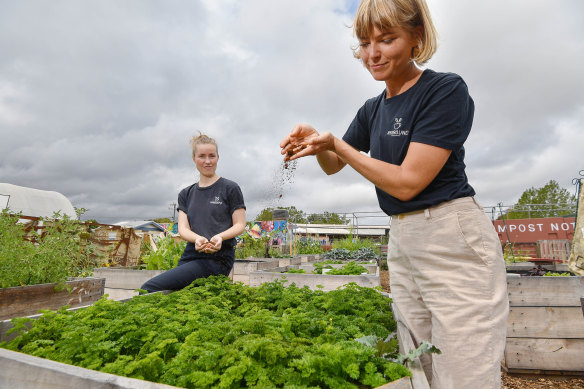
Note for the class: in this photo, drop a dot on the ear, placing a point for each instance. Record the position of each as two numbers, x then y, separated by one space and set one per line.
418 34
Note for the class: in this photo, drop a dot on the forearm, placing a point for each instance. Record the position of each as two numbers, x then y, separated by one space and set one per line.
395 180
232 231
188 235
330 162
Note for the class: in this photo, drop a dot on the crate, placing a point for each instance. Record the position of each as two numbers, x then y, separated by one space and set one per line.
545 329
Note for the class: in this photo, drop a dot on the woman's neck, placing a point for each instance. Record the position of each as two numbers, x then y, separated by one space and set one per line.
205 181
406 81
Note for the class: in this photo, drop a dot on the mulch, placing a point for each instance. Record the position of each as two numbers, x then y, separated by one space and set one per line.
540 382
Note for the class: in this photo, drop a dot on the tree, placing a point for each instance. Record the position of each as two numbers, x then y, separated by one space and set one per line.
162 220
327 218
547 201
294 215
297 216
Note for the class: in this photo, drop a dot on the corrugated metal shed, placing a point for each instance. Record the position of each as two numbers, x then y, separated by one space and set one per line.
34 202
142 225
340 229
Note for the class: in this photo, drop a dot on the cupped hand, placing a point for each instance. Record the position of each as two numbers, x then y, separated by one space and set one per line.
304 140
215 244
295 142
201 244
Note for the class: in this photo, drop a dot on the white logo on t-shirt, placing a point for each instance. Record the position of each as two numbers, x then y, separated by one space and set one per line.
216 201
396 128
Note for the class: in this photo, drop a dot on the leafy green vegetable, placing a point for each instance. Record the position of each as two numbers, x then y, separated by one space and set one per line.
167 255
350 268
217 334
297 271
425 347
552 274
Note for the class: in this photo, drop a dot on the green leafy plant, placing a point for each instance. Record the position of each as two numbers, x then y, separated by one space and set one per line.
343 254
424 348
249 246
219 334
352 244
365 254
350 268
167 255
296 271
32 255
552 274
308 246
387 348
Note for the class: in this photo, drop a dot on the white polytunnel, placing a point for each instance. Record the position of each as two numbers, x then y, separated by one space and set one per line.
34 202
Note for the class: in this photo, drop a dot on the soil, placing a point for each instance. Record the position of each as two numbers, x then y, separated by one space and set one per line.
540 382
384 280
510 381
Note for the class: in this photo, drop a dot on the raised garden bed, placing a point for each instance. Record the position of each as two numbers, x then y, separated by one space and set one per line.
371 268
28 371
27 300
122 282
323 282
545 330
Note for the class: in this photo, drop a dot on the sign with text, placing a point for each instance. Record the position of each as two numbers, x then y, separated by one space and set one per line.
532 230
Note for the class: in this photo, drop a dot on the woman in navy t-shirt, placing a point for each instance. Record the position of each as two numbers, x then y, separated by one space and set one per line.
448 276
211 213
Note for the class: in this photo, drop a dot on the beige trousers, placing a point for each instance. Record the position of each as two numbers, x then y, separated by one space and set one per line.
448 279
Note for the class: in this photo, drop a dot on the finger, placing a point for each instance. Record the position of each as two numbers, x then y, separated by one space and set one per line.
302 153
285 141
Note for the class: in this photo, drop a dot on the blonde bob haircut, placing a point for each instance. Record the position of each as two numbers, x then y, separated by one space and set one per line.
202 139
385 14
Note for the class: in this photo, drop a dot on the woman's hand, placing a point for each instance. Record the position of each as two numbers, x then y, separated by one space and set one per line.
201 244
214 244
304 140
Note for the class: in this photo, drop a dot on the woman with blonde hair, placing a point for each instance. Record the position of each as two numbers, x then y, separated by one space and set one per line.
211 213
447 271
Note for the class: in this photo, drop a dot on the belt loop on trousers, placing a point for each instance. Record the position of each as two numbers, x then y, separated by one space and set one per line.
476 202
427 213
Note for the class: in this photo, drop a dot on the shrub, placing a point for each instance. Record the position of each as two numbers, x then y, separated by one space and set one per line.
62 249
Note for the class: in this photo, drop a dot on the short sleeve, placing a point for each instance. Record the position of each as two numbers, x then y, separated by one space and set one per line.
446 117
358 134
235 198
183 200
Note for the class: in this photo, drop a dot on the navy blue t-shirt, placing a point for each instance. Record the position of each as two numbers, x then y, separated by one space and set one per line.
437 111
209 211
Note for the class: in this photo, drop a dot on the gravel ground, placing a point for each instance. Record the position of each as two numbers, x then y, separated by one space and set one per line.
537 382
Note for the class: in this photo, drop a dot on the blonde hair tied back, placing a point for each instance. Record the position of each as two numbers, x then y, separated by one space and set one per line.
202 139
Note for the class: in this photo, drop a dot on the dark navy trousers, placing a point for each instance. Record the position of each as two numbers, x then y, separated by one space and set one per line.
185 273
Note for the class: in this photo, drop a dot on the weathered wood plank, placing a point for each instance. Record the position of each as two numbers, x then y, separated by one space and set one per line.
27 300
545 291
406 343
545 354
546 322
21 371
402 383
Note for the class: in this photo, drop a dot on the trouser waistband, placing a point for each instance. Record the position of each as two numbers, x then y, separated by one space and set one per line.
441 209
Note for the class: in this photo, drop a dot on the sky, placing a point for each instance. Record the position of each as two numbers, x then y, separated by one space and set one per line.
99 99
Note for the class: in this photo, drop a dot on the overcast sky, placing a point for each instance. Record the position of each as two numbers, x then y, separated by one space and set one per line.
98 99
